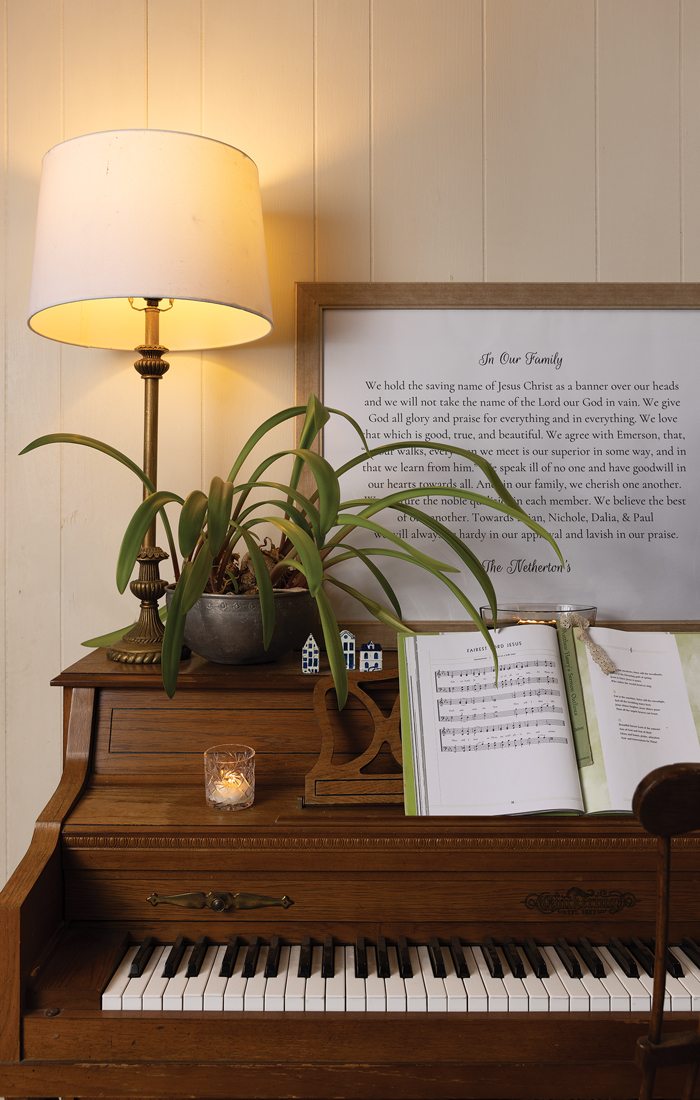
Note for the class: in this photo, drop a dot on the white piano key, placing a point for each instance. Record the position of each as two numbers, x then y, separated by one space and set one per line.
434 987
295 987
640 999
416 996
477 997
598 996
691 977
193 997
676 996
394 984
515 990
579 1000
216 983
175 989
356 997
254 995
112 996
537 994
274 990
557 997
335 986
619 996
234 991
153 993
315 992
132 997
375 987
454 986
496 996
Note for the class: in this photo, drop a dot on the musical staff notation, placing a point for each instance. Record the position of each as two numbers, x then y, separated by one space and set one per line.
525 708
506 743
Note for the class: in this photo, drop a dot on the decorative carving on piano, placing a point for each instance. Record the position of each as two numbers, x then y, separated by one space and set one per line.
486 842
578 902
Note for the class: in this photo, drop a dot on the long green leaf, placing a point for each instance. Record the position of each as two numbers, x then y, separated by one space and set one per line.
382 614
192 518
105 640
96 445
371 506
351 521
365 555
413 444
260 431
118 456
138 526
306 549
334 648
316 418
460 548
219 512
171 649
265 589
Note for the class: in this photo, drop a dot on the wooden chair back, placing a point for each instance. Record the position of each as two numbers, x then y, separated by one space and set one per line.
667 804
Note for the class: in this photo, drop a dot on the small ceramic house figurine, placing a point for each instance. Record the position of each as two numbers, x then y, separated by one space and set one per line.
348 643
310 655
371 657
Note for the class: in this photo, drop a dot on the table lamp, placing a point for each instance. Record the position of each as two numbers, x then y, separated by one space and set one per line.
145 235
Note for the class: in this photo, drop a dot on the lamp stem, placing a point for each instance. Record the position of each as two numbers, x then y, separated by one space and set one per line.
142 644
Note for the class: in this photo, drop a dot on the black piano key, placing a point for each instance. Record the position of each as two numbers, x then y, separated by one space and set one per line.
404 959
175 957
623 958
229 960
250 964
138 963
383 967
272 963
437 962
673 966
515 963
460 963
361 968
492 960
641 953
590 956
535 958
691 949
305 954
196 959
328 958
571 963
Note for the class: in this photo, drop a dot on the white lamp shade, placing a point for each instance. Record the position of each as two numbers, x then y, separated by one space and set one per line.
149 214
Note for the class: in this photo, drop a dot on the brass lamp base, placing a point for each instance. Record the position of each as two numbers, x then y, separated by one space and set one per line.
142 645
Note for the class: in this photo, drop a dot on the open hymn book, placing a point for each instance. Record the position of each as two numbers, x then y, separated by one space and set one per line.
554 733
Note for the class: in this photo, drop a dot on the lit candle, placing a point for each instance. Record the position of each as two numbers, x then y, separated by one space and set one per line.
230 788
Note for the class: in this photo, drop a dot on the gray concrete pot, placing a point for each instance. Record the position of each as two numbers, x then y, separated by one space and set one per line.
228 629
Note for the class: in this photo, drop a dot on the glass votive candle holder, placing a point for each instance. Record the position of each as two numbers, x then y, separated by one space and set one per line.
229 777
551 614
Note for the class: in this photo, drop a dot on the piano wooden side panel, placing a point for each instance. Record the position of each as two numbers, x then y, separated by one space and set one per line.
129 818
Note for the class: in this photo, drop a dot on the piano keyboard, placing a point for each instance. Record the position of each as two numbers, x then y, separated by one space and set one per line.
508 976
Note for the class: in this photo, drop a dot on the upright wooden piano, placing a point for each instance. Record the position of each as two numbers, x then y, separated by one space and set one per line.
129 823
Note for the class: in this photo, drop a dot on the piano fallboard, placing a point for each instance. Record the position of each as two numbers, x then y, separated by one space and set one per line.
129 820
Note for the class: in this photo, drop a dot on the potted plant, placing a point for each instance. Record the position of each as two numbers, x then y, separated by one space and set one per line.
225 546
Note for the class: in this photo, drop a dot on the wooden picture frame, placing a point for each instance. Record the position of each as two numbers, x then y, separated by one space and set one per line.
314 300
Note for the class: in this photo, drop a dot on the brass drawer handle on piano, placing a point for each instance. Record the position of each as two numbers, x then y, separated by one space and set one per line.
219 901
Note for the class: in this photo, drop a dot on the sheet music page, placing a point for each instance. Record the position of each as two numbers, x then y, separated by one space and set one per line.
484 748
641 716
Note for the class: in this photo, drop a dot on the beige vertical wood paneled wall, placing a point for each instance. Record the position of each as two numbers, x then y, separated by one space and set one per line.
550 140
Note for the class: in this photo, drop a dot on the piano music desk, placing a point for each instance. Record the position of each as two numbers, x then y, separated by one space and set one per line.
129 818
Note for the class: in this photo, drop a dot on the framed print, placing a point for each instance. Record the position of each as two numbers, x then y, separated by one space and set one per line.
584 397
